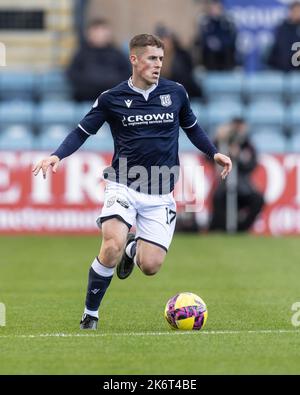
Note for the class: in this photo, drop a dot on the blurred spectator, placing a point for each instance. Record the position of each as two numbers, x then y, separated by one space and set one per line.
98 65
286 34
178 65
233 139
216 38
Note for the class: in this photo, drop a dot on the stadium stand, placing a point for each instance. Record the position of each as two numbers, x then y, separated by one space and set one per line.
102 141
51 137
265 113
292 87
268 142
222 86
57 112
184 143
274 129
293 117
52 85
17 112
17 137
199 110
221 112
82 109
294 143
264 85
38 33
17 85
38 104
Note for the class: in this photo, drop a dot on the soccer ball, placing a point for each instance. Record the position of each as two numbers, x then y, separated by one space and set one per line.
186 311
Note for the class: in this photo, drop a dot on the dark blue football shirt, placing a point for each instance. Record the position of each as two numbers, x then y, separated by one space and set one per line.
145 127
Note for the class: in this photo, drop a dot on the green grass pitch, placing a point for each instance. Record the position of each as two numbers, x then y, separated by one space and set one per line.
248 283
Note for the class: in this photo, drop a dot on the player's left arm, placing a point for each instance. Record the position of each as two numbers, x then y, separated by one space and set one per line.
197 135
225 162
200 140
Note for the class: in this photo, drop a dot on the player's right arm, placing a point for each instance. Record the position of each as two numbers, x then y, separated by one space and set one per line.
44 164
90 124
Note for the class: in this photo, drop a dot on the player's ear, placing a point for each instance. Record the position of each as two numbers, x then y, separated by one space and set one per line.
133 59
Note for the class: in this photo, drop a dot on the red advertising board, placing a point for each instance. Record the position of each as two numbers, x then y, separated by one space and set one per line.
70 200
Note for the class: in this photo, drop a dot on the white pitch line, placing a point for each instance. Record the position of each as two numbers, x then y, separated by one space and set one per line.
189 333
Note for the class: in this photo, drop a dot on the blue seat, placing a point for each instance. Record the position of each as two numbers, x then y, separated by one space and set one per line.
53 84
266 84
51 137
292 86
218 113
185 145
199 110
293 116
17 137
102 141
16 112
294 143
268 142
55 112
265 113
223 85
17 85
273 129
295 129
82 109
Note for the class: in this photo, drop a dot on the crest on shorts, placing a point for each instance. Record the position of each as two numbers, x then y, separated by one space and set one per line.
111 201
165 100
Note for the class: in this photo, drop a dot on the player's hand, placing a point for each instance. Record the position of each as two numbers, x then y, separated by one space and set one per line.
44 164
225 162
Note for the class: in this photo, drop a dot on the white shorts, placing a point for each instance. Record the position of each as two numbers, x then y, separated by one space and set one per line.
153 215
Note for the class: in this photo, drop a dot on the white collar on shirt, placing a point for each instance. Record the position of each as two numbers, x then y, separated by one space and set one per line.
145 93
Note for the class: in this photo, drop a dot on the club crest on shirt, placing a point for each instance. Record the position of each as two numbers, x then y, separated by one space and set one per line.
165 100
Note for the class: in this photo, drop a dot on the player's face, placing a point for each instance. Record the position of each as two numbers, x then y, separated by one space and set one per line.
147 65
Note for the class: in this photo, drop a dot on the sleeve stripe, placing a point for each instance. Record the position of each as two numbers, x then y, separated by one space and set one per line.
84 130
188 127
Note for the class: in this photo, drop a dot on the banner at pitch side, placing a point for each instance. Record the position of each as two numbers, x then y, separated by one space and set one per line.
255 21
70 200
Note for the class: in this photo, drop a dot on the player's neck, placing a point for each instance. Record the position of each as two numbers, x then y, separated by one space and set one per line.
140 83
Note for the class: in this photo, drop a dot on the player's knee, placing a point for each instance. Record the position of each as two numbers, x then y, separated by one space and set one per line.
111 249
150 266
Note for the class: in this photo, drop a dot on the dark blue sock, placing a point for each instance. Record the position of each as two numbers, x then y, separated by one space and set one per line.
97 286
